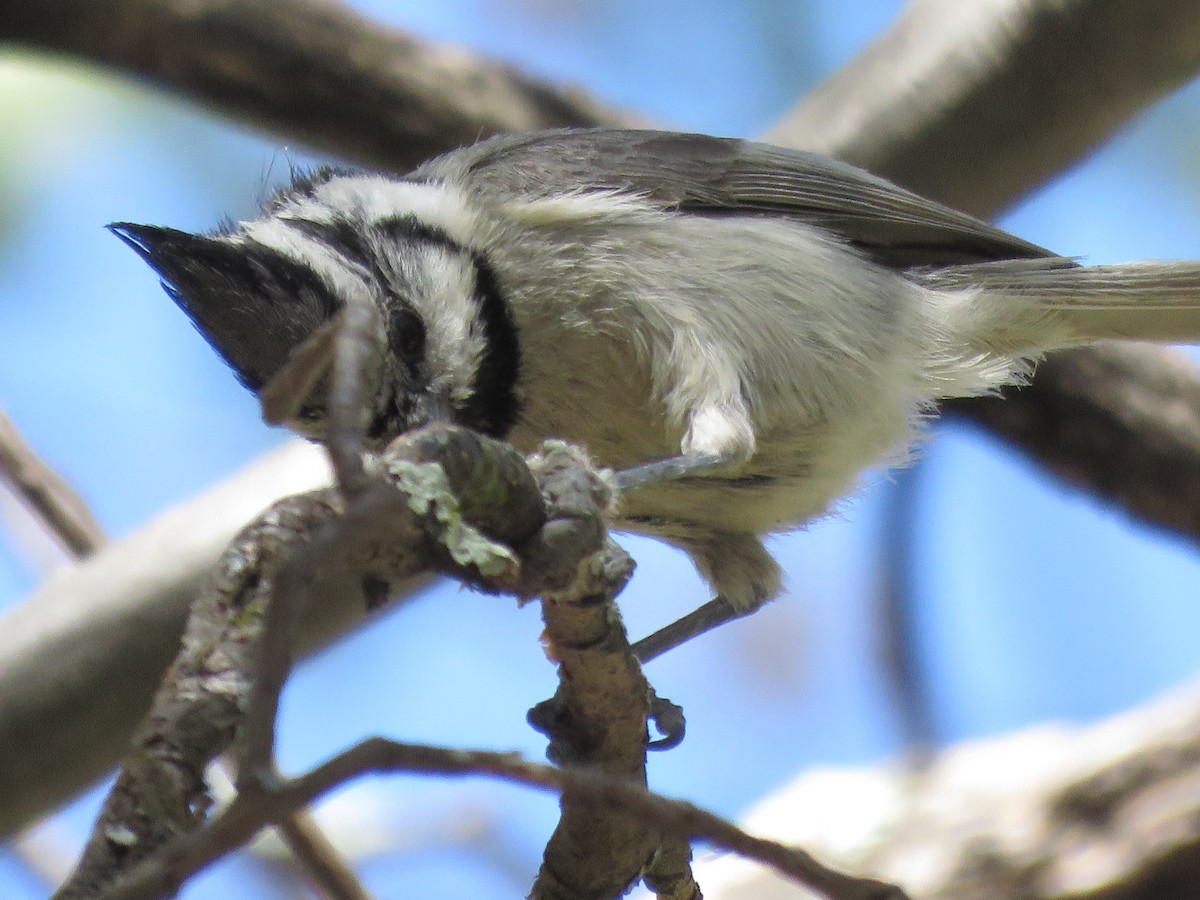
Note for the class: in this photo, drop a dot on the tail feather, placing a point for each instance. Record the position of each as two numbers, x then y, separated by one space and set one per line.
1144 301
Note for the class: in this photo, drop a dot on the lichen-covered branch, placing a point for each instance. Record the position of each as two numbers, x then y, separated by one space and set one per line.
598 716
408 520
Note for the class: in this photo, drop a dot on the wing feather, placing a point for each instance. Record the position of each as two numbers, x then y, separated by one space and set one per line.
702 175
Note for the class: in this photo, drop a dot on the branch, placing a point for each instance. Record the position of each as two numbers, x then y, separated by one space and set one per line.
61 510
598 716
307 70
235 655
978 104
1110 811
238 824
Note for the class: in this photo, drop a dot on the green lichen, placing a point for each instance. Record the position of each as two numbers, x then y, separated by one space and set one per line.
430 494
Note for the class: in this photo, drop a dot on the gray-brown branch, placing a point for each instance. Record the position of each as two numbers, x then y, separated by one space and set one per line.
308 70
597 718
407 521
61 510
1107 811
157 877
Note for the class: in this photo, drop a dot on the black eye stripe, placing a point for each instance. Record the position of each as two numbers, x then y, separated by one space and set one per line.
410 228
341 236
406 334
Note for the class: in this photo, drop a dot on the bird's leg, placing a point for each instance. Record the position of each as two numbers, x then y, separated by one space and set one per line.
684 466
762 578
712 614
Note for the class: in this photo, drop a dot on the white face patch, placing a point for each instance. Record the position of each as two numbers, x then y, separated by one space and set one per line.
436 278
444 297
343 279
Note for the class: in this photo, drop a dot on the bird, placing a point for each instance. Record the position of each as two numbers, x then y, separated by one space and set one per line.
741 328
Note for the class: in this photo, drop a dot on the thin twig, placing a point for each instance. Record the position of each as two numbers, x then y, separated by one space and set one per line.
61 510
323 866
355 338
312 854
246 816
899 645
357 355
281 612
282 397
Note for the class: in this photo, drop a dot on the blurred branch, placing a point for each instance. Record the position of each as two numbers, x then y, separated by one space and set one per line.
308 70
1106 812
61 510
896 611
318 860
305 852
976 104
78 662
1120 420
976 107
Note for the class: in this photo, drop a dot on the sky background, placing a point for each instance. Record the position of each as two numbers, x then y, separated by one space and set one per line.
1031 601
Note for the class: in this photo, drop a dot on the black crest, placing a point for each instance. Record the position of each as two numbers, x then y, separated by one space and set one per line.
251 303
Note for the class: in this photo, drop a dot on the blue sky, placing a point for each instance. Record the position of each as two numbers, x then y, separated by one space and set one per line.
1032 601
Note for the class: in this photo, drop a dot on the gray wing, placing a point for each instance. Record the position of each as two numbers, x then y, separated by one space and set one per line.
704 175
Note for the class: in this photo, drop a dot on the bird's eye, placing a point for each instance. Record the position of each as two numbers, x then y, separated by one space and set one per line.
407 334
